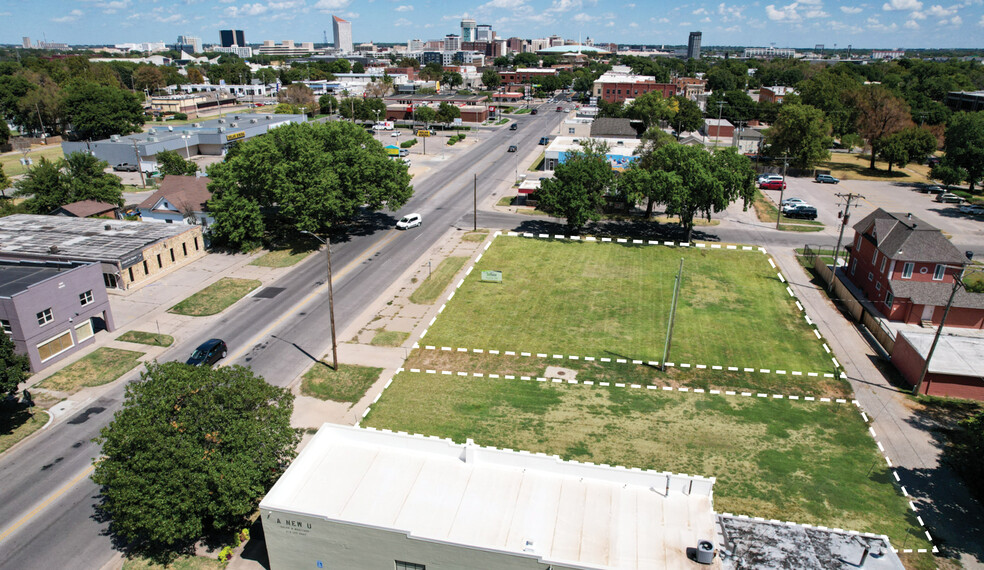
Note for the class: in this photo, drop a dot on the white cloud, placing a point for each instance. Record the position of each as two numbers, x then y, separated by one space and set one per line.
851 9
634 25
699 12
938 11
504 4
911 25
246 10
981 22
955 21
402 22
564 5
285 5
876 25
404 8
730 13
917 15
787 13
630 6
70 17
169 19
902 5
816 13
581 17
331 5
659 20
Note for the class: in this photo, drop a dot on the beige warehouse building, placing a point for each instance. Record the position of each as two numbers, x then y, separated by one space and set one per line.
365 499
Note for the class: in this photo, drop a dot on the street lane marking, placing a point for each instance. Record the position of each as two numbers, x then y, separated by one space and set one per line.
336 276
47 502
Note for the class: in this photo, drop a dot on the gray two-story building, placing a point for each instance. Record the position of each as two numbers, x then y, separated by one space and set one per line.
51 309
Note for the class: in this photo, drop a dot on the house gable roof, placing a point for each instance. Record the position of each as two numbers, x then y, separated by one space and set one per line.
904 237
184 193
84 208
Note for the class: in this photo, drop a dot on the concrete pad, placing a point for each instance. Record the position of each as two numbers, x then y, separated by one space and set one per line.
560 372
401 324
414 311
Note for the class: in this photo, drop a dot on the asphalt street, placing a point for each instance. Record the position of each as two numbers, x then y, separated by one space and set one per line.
47 512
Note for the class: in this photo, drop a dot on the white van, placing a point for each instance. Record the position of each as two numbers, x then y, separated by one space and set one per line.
409 221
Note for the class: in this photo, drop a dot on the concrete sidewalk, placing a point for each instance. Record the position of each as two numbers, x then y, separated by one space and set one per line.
953 517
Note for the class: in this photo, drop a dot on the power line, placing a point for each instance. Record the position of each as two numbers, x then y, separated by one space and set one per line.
845 215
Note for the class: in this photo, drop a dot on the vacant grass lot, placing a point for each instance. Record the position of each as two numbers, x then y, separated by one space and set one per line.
280 258
855 167
438 281
152 339
215 298
805 462
612 300
94 369
11 160
347 384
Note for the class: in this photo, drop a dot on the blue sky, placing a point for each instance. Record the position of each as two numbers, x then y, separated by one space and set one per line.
785 23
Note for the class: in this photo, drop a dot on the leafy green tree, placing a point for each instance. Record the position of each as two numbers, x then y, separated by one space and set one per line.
171 163
912 143
266 75
447 113
328 103
966 452
4 182
702 183
947 174
526 59
371 110
14 368
851 141
491 79
148 77
4 132
98 111
829 91
720 79
652 108
431 72
425 115
880 114
313 176
44 186
802 133
577 190
358 67
501 61
238 220
287 109
688 116
190 454
964 144
88 180
735 105
452 79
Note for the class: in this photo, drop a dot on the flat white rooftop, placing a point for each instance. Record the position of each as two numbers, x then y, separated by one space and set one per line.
958 355
565 513
620 147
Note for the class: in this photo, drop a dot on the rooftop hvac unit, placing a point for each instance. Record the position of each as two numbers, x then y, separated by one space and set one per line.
107 227
197 125
170 129
114 138
53 249
221 121
235 117
233 125
705 552
151 131
221 129
252 121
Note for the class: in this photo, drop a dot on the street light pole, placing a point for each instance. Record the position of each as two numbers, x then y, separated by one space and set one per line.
331 301
782 190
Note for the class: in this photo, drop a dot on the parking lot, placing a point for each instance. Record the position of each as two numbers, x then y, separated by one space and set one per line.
967 230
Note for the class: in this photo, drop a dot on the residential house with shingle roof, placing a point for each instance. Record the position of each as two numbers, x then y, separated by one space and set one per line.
87 209
179 200
907 267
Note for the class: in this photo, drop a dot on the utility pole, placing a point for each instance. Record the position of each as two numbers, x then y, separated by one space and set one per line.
782 189
669 324
475 204
844 218
143 181
331 300
957 283
720 109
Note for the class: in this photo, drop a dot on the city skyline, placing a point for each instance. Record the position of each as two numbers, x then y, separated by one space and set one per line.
906 24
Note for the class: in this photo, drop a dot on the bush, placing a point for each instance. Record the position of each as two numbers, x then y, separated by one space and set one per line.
408 144
225 554
180 117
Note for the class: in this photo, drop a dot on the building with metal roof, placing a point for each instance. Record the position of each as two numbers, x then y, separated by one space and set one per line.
361 498
127 252
213 137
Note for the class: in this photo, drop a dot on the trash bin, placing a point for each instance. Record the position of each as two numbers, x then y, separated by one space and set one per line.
705 552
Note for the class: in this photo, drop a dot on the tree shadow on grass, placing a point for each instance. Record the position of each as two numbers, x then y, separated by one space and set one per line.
631 229
14 414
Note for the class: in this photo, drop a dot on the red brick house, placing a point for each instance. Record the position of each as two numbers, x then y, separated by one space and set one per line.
907 267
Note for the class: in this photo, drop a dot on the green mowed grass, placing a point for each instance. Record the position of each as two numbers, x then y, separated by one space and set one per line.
215 298
438 281
347 384
612 300
807 462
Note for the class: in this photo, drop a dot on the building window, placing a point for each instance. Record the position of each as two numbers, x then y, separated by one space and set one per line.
570 131
44 317
938 273
146 268
109 279
400 565
878 286
184 249
196 243
874 258
854 265
83 331
55 346
172 255
131 274
907 270
882 269
871 276
889 298
5 325
159 264
85 298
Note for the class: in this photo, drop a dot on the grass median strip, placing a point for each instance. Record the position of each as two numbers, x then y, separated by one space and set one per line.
389 338
806 462
767 212
15 425
152 339
475 236
612 300
438 281
215 298
94 369
347 384
280 258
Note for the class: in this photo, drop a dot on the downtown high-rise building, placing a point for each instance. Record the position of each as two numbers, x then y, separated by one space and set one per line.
230 38
343 34
188 44
484 33
693 46
468 30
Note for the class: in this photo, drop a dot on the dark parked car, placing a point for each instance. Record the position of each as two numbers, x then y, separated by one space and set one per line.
512 148
932 189
826 179
513 127
773 185
208 353
125 167
544 140
802 212
533 112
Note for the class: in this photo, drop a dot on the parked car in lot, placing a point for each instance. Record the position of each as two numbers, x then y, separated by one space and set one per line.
972 209
768 176
773 185
826 179
948 198
544 140
931 189
512 148
125 167
802 211
395 134
792 202
208 353
404 152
